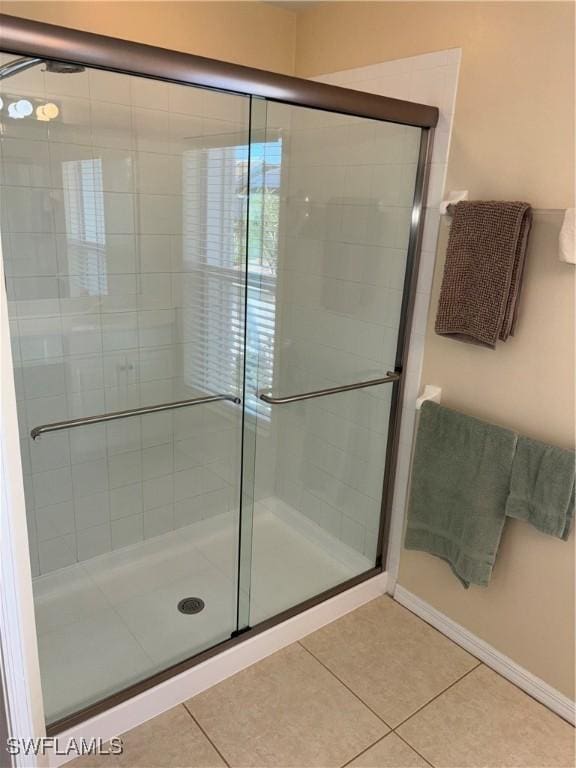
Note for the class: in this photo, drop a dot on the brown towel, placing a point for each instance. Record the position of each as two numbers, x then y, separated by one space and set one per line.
483 271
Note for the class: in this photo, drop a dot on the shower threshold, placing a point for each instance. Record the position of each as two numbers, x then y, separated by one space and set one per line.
109 622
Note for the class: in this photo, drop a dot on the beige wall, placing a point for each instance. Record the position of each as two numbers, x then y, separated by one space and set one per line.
514 127
513 139
254 34
527 612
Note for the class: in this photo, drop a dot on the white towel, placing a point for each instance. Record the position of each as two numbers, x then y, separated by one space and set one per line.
567 244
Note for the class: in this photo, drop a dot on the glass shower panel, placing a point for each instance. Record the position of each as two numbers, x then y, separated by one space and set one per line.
123 223
336 202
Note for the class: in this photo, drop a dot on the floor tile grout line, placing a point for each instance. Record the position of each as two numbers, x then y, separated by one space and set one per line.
500 674
335 676
437 696
413 749
356 697
527 693
206 736
366 749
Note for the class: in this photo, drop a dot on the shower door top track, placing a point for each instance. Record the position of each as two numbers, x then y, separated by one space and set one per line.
47 41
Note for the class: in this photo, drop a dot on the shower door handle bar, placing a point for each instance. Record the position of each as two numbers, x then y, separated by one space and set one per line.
268 398
115 415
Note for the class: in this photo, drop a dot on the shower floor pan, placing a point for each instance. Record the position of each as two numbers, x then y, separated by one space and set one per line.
108 622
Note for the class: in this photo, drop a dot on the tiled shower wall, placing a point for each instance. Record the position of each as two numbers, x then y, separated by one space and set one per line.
348 188
112 256
340 299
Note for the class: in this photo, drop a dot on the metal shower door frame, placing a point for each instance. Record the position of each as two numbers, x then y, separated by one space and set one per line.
45 41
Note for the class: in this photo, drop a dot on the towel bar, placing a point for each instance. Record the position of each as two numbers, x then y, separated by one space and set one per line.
268 398
57 426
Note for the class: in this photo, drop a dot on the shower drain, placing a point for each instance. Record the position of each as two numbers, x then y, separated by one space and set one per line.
191 605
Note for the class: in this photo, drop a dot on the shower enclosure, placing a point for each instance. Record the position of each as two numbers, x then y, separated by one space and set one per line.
210 272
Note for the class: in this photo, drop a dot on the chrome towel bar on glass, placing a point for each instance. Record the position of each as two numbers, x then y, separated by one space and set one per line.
81 422
268 398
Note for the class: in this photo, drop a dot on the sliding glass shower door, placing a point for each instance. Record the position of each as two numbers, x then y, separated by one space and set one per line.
206 293
334 204
124 205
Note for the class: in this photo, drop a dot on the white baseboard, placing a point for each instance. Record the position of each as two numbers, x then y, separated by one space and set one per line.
534 686
178 689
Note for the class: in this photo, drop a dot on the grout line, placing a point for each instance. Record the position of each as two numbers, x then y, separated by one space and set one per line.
345 686
366 749
413 749
437 696
206 735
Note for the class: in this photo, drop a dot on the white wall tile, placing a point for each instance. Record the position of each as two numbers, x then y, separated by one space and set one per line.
76 84
155 253
86 403
436 185
25 163
40 338
83 373
188 511
156 327
159 491
150 132
29 254
57 553
125 469
52 487
44 378
50 451
157 460
145 92
55 520
155 291
186 100
91 511
73 124
127 531
119 331
90 477
189 482
117 169
87 443
126 501
119 213
124 435
160 214
159 174
93 541
109 87
158 521
111 125
82 334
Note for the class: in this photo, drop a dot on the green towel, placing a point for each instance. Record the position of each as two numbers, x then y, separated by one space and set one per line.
460 481
542 487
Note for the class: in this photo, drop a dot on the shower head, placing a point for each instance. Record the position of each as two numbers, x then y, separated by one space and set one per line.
63 67
24 63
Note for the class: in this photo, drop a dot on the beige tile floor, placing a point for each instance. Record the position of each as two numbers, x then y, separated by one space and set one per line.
379 688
